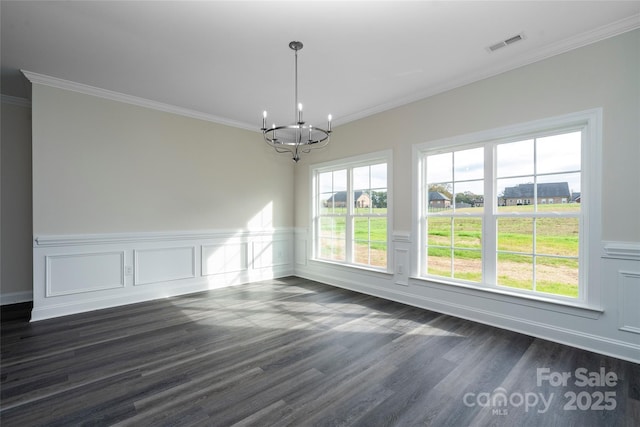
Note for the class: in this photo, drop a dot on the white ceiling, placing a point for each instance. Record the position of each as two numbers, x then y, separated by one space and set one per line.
230 61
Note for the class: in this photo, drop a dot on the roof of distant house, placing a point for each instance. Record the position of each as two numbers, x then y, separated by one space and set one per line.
436 195
550 189
341 196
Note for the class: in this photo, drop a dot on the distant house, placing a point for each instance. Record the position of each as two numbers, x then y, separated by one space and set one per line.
438 200
548 193
575 197
478 202
339 200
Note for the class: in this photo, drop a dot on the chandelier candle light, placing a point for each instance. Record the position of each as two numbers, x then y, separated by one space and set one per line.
296 138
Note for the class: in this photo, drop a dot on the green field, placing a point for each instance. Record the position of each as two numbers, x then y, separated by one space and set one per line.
460 244
370 235
556 239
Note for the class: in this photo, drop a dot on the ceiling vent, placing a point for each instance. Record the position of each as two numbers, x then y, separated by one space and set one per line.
506 42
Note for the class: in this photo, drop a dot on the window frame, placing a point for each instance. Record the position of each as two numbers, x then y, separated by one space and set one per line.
590 122
349 164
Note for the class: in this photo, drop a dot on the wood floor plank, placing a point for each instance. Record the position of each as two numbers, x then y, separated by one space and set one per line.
287 352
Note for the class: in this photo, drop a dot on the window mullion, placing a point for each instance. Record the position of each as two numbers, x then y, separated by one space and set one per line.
318 217
315 209
534 258
349 226
489 223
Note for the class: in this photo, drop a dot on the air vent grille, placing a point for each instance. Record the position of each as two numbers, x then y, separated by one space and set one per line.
497 46
506 42
513 39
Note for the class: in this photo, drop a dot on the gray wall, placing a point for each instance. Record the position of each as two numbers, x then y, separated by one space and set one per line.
15 203
102 166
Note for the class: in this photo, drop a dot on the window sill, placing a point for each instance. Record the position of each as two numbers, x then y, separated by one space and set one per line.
534 301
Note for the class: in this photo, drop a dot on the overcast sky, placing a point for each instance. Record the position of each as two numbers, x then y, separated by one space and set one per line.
552 158
516 162
372 177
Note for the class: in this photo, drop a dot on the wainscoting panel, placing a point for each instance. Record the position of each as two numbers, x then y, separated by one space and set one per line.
629 301
224 258
270 253
77 273
401 259
301 246
164 264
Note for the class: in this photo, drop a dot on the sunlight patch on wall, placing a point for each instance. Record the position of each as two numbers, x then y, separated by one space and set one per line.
263 220
227 257
253 254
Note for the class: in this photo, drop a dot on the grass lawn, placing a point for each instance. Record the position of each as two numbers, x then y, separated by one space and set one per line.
451 249
556 247
370 235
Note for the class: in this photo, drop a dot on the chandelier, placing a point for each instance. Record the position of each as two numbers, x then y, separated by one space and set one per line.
298 137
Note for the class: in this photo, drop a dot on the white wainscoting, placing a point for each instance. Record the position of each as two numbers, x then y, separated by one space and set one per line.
629 301
164 264
622 268
68 274
401 259
221 258
301 247
613 329
78 273
271 253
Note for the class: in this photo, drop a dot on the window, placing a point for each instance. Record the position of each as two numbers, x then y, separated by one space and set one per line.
529 235
351 201
538 245
454 233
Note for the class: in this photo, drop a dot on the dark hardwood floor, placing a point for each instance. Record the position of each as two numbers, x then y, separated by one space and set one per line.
296 352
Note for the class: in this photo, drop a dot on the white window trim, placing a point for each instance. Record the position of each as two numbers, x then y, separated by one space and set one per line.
591 226
385 156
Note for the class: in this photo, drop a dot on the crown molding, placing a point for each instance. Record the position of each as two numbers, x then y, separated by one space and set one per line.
58 83
14 100
589 37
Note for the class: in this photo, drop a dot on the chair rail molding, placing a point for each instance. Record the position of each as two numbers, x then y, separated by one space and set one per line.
621 250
